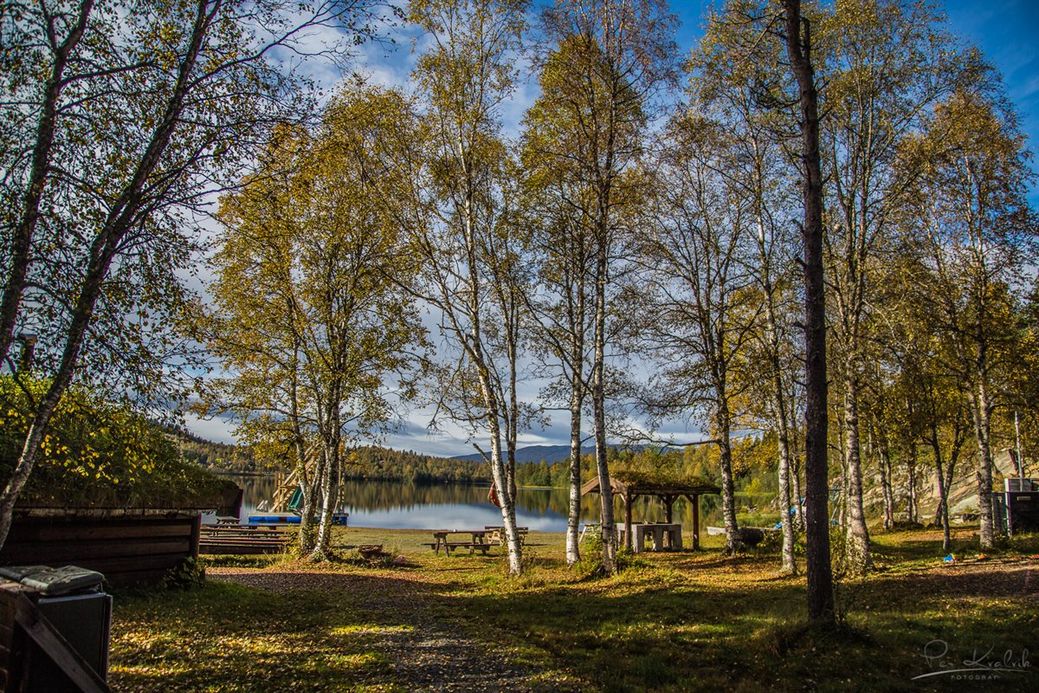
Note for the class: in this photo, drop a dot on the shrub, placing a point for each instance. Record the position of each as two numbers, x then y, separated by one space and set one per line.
186 576
100 453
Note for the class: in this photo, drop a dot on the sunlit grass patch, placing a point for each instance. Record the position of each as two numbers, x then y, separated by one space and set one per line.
369 628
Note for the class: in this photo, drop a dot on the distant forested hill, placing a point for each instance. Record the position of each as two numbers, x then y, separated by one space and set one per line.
213 455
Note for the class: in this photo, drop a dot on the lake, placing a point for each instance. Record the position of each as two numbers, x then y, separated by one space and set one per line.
459 506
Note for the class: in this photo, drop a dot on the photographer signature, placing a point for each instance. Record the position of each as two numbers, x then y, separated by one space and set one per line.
986 663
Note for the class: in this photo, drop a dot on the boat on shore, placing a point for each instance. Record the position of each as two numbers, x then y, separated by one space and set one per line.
338 518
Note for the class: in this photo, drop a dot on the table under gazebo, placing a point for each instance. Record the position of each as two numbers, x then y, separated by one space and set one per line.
630 485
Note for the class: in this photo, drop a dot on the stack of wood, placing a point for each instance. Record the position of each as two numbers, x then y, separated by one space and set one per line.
242 539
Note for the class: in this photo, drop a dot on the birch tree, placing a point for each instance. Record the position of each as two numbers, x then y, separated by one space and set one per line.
311 317
703 309
885 63
560 308
611 57
734 78
980 234
467 240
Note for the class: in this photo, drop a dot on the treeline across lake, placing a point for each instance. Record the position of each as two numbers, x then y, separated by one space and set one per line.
754 466
376 463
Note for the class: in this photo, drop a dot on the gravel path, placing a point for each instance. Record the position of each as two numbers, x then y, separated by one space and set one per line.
426 652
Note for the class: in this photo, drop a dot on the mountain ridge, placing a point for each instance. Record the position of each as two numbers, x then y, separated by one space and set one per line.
537 453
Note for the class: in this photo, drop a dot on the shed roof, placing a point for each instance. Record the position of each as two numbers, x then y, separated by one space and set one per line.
633 483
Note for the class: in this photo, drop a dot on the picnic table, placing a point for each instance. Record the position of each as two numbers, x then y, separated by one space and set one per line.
477 542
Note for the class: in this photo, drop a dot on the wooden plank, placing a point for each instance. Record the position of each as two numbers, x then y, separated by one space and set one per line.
208 546
54 645
220 547
216 537
245 537
42 531
255 530
696 522
249 535
77 552
239 549
196 527
110 566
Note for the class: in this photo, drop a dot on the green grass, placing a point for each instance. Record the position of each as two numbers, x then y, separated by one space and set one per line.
678 621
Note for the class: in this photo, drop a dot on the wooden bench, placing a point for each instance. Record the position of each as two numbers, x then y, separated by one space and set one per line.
222 543
450 546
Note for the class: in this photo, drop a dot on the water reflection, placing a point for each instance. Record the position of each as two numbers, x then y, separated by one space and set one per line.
458 506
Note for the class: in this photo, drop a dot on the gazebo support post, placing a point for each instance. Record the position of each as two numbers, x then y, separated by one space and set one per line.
695 500
669 502
627 520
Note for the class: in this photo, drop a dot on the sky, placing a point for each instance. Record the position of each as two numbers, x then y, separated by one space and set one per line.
1005 31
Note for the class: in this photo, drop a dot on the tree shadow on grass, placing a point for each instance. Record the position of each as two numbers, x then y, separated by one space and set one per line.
629 634
285 630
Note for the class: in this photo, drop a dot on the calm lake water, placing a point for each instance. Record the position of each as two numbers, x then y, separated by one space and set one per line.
458 506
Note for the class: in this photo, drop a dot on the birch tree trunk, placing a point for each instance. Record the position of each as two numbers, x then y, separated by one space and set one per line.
329 500
500 478
885 487
609 536
982 433
912 498
724 423
573 518
789 564
312 501
858 532
943 491
795 474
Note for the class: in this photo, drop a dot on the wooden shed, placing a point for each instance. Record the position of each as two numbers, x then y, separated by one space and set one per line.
129 546
629 485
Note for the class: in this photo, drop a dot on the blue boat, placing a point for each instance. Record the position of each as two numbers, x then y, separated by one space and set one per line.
292 519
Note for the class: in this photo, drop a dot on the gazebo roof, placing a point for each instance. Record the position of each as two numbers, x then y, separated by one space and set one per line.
634 483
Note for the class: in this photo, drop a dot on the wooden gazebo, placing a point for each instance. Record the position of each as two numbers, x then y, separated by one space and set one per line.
629 485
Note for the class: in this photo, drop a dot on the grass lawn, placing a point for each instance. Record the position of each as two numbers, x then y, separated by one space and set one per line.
679 621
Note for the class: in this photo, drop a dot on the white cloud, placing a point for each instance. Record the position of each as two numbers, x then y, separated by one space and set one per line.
215 429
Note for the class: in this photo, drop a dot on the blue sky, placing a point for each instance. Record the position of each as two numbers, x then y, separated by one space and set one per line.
1004 30
1006 33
